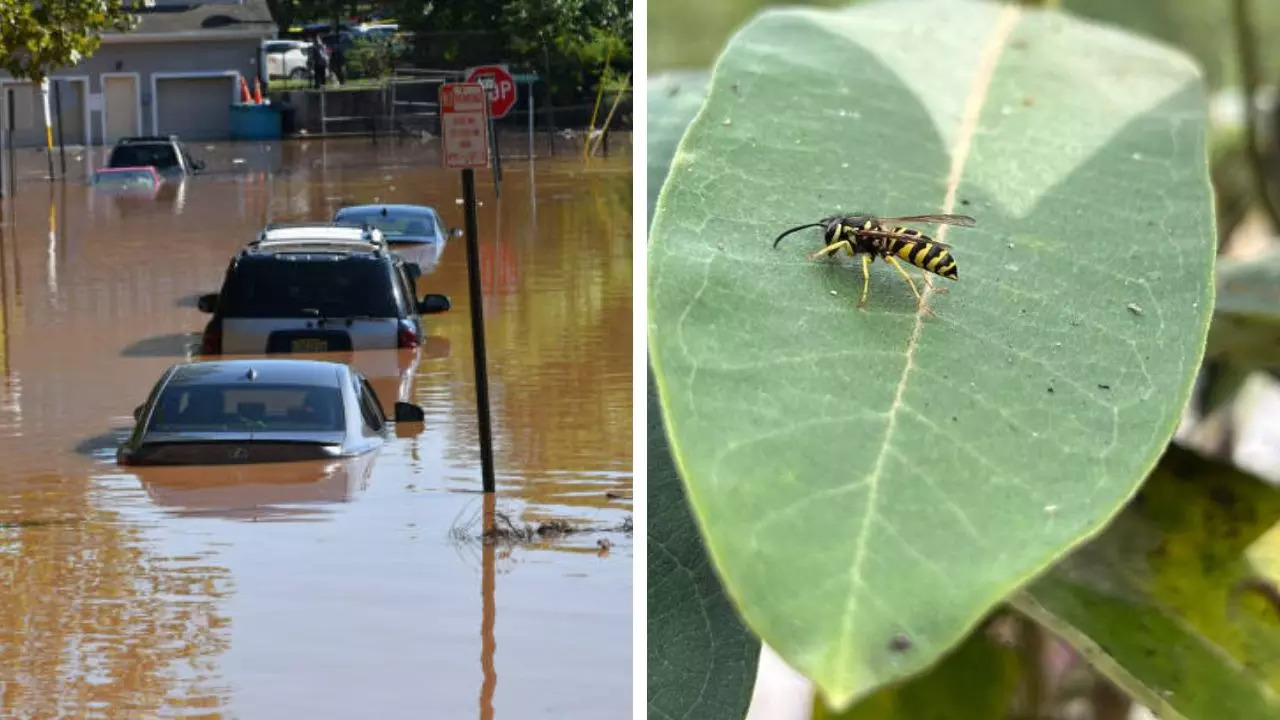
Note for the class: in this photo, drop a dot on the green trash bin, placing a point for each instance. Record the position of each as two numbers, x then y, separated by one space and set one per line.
250 121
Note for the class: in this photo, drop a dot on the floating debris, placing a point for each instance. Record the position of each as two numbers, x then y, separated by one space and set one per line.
1134 308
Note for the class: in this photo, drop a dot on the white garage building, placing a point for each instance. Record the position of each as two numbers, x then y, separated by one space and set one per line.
176 73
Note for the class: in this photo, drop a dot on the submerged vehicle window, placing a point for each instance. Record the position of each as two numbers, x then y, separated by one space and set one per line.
276 288
413 224
158 155
239 407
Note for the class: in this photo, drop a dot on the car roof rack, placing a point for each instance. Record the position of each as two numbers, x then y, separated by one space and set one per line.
313 235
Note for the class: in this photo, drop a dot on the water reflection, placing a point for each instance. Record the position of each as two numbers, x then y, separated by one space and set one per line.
97 299
270 491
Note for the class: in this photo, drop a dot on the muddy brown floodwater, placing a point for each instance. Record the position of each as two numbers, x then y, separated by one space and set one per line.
351 589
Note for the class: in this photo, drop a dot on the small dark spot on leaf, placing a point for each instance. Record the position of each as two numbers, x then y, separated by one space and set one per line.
1050 391
954 419
900 643
1102 386
1028 101
964 202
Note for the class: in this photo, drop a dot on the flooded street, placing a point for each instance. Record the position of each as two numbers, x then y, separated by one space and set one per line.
347 589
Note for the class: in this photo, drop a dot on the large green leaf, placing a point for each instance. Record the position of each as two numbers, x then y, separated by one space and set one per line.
1167 601
702 661
859 475
674 98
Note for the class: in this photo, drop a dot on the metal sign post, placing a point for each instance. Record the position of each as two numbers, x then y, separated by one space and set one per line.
503 94
463 117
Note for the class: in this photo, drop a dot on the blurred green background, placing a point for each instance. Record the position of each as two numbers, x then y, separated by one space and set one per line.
684 35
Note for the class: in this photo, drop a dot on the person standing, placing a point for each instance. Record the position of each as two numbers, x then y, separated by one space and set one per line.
319 63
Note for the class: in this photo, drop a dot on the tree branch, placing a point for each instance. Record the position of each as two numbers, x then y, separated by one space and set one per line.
1249 77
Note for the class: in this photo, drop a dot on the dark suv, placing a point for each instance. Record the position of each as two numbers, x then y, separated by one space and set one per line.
317 287
165 153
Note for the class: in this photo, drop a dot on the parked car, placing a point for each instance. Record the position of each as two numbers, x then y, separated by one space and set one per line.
379 31
259 410
317 287
415 232
285 59
136 181
166 153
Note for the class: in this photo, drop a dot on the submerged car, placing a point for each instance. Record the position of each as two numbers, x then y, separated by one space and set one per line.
414 232
259 410
316 288
166 153
138 180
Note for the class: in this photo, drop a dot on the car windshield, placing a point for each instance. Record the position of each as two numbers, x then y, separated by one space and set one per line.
396 223
239 407
157 155
282 287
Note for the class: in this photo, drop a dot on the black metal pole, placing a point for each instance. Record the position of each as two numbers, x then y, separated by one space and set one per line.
477 328
62 147
13 166
493 145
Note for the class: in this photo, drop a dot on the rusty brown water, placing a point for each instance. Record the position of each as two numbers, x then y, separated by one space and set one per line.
346 590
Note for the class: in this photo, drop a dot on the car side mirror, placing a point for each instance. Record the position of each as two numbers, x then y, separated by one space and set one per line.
414 270
455 232
409 413
207 303
137 413
433 304
198 165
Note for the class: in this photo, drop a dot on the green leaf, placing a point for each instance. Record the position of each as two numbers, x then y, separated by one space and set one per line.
702 661
977 681
674 98
1246 323
1167 602
861 474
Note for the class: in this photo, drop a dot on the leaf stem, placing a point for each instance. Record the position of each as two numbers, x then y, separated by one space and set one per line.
1249 77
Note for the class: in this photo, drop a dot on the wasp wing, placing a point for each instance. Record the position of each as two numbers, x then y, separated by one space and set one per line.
899 236
961 220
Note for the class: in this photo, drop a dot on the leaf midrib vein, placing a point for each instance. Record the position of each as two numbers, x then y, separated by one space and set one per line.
995 45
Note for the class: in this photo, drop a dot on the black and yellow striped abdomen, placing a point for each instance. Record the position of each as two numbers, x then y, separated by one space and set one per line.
920 250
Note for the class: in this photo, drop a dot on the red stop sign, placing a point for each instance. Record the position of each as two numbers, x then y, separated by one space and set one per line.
500 84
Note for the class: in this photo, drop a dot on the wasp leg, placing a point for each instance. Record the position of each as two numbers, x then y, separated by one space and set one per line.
866 280
898 266
832 249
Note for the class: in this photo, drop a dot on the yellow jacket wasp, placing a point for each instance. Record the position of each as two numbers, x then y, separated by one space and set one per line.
867 235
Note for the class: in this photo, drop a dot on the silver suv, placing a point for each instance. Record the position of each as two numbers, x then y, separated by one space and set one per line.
316 287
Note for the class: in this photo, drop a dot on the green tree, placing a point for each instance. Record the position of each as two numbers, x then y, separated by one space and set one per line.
36 39
566 40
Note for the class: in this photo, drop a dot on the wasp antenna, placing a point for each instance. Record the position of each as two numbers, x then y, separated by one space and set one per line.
796 229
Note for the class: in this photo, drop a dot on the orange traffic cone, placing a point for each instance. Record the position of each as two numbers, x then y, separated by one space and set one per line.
244 91
257 91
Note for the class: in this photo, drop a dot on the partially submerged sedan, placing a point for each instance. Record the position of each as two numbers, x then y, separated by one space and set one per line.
259 410
414 232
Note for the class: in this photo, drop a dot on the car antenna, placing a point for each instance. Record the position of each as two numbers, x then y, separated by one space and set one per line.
384 212
251 374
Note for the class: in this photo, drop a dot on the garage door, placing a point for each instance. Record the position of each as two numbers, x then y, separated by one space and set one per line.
194 108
